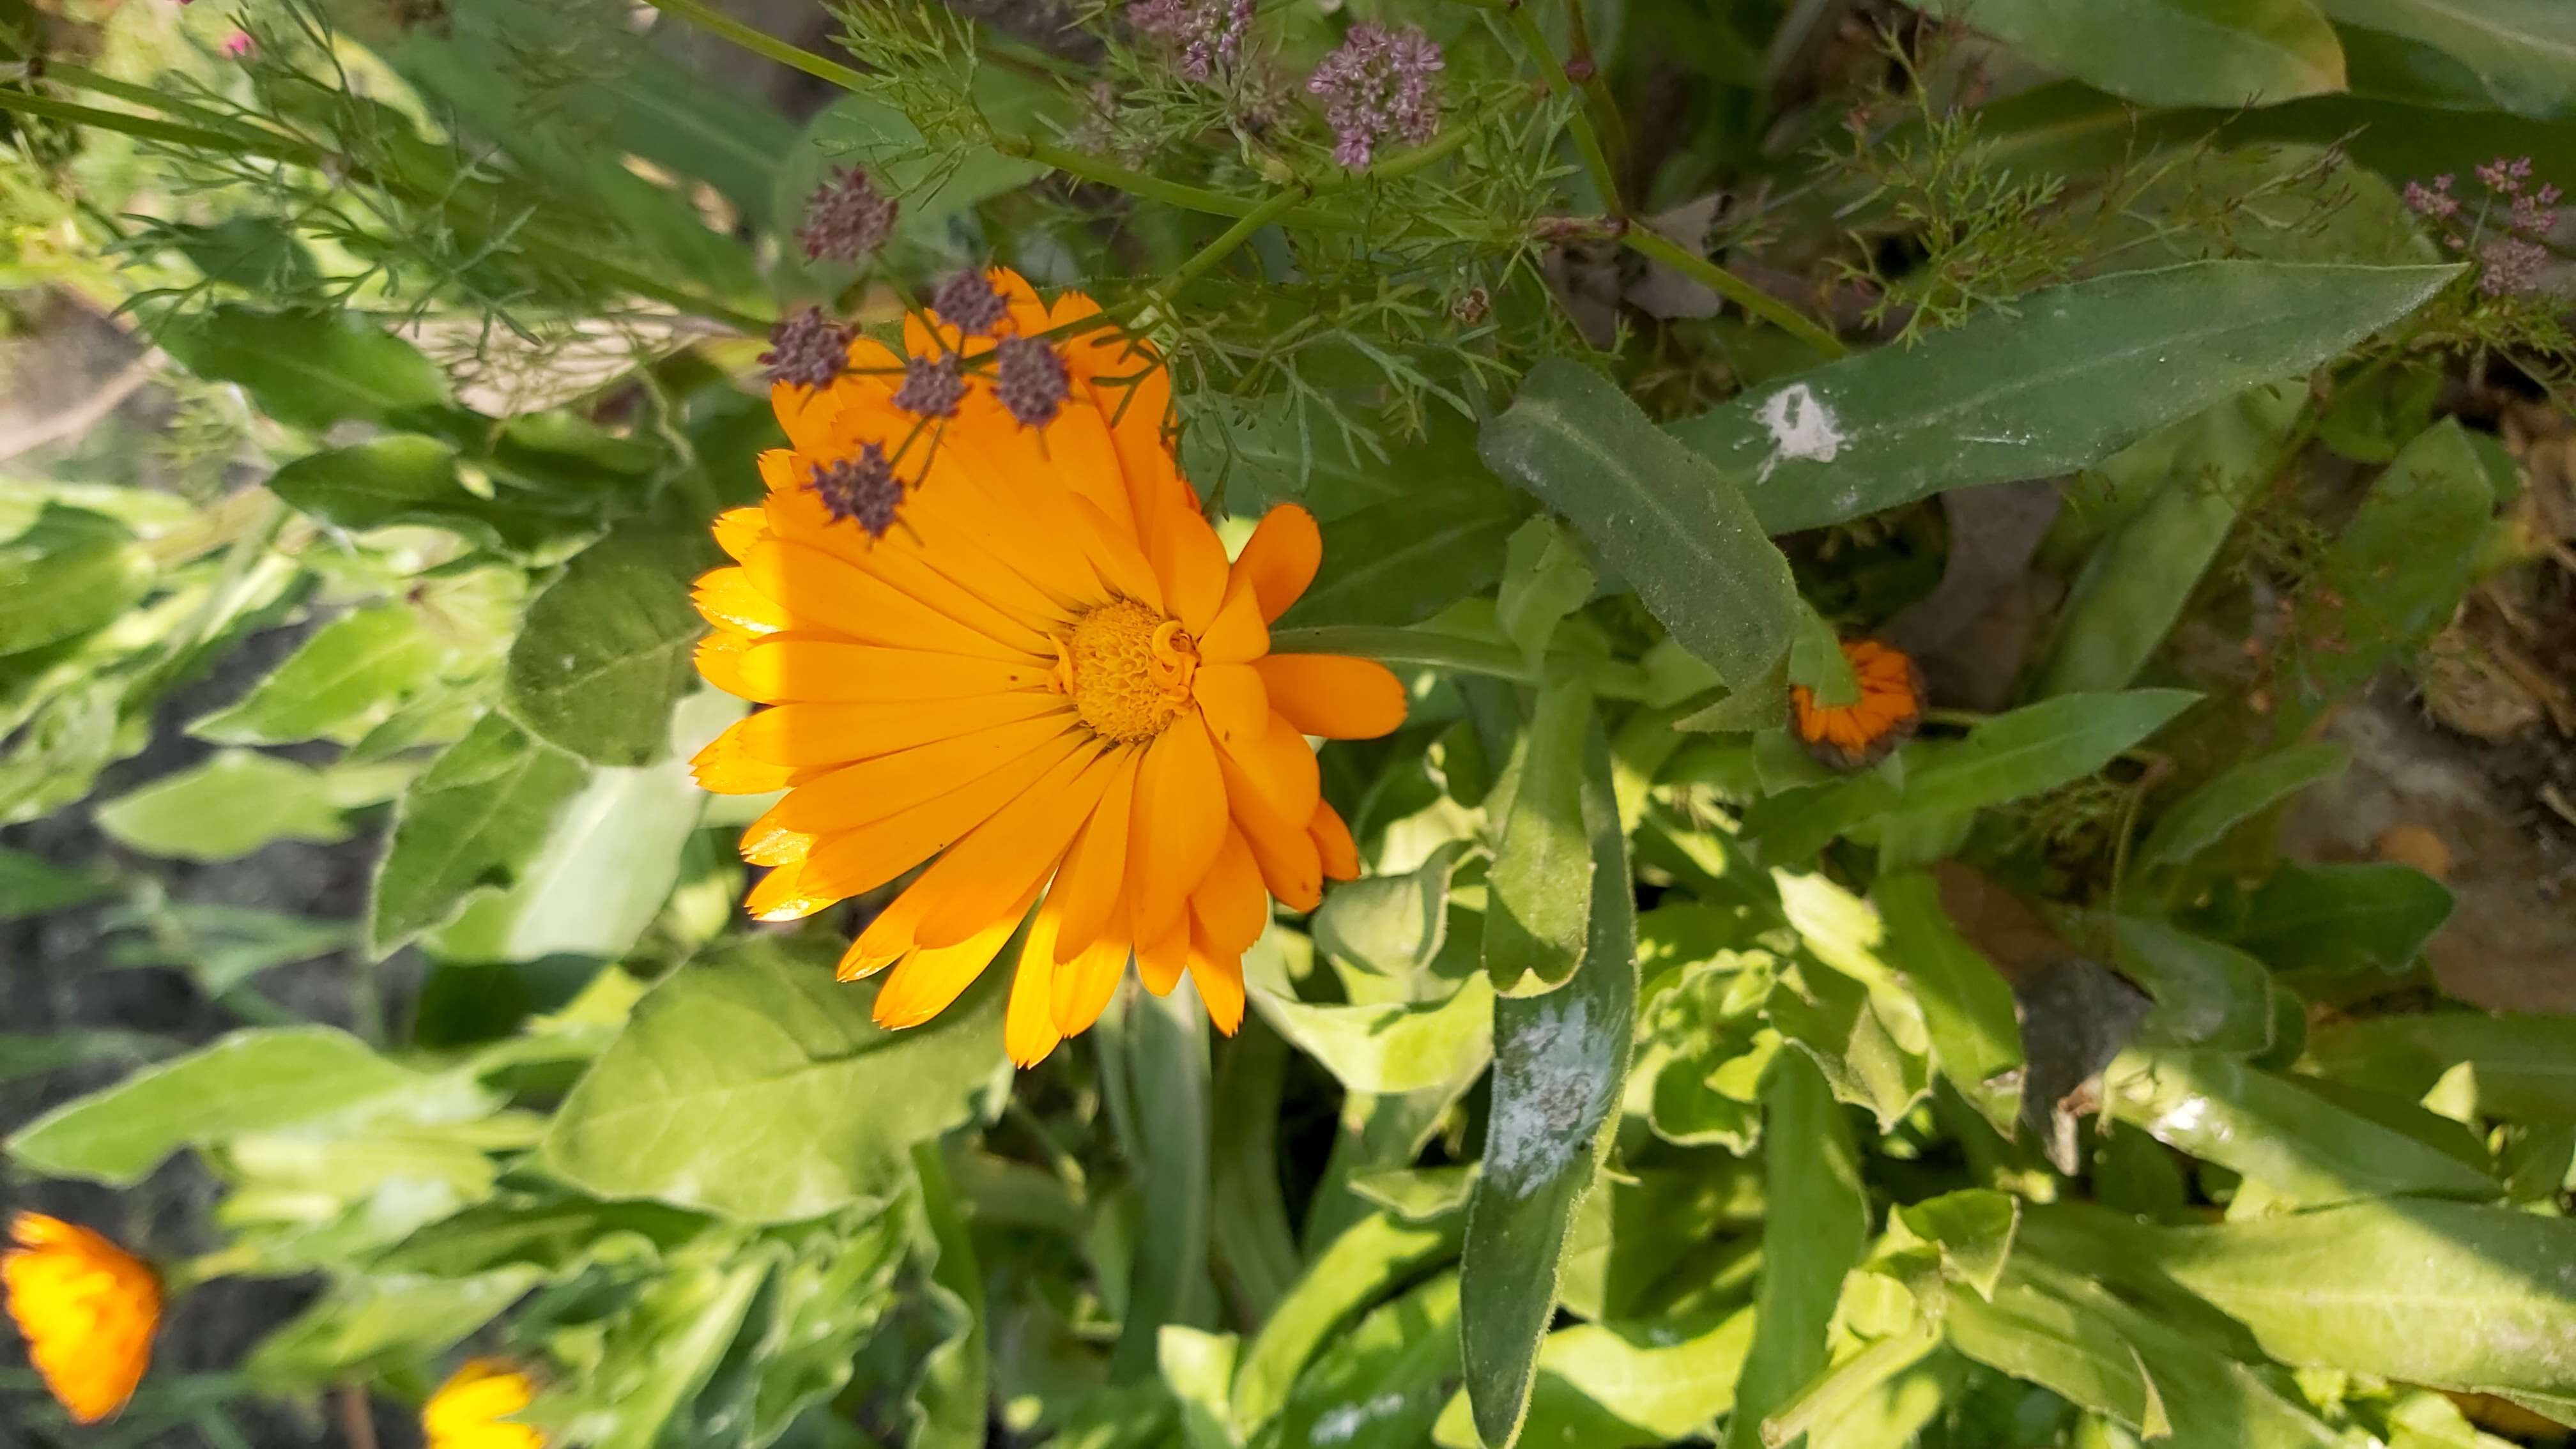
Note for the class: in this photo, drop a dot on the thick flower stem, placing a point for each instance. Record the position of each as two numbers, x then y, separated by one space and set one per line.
795 57
1611 678
1596 162
1647 242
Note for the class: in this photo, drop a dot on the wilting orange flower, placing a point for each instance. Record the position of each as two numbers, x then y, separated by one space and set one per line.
87 1309
1043 670
1856 736
470 1410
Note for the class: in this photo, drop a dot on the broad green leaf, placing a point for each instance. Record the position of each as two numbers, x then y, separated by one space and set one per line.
1812 1235
70 572
1161 1047
2039 747
307 1079
2522 53
1248 1210
1625 1385
2133 588
1380 1386
1675 529
31 886
1967 1004
605 866
307 369
1371 1256
2447 1294
655 1357
1545 578
552 1236
752 1085
28 1055
2170 52
1404 560
377 1322
2062 380
2036 1335
1850 1032
2202 818
1391 924
412 478
1560 1062
1417 1194
2524 1067
953 1400
2393 577
2343 917
1539 892
2207 994
475 818
1621 1261
2277 1132
605 652
229 806
1973 1229
1394 1047
341 682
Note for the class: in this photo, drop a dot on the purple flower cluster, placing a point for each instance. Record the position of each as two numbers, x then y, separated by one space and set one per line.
1205 33
847 218
862 489
1030 378
2506 231
1378 84
932 386
808 349
968 303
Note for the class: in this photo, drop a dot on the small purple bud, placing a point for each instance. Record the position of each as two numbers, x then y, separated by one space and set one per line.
1030 378
932 386
861 489
808 349
968 303
1206 34
1376 85
847 218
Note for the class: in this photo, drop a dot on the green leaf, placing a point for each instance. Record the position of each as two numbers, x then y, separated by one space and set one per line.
1161 1047
1247 1208
1560 1061
229 806
1539 892
2522 53
307 1079
2080 1354
1394 1046
475 818
70 572
2133 588
1674 528
2062 380
654 1358
2524 1066
603 868
307 369
2039 747
1626 1385
31 886
1967 1004
1974 1230
2202 818
1812 1234
1393 925
752 1085
955 1393
2207 994
23 1056
935 181
1380 1385
1372 1255
2343 917
412 478
374 1323
1404 560
2278 1132
605 651
2446 1294
2170 52
1545 578
341 682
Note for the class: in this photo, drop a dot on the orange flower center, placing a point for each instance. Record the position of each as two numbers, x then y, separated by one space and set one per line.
1128 669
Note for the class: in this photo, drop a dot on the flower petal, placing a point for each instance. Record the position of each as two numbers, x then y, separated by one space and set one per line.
779 668
852 861
830 733
1237 634
781 896
867 790
818 590
1281 766
1014 852
1285 852
1230 908
1340 854
1235 701
1218 975
727 599
1160 965
1178 827
1280 558
1088 884
1028 1021
1333 695
925 983
737 529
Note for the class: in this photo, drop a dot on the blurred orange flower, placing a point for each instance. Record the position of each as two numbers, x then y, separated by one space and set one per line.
471 1409
1021 650
87 1309
1856 736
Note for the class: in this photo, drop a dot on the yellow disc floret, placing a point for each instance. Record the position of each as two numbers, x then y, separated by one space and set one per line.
1128 669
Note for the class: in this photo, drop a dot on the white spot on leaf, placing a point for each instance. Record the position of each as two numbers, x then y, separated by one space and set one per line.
1802 427
1554 1099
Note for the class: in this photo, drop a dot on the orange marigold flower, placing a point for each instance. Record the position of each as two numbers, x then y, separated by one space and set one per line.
1856 736
87 1309
1044 673
471 1410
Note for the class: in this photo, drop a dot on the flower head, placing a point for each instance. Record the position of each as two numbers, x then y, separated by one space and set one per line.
1378 83
968 303
847 218
862 490
1205 33
238 45
471 1410
87 1309
808 349
1029 377
1856 736
932 386
1050 685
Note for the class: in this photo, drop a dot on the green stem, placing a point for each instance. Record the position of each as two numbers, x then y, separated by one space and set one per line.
795 57
1611 679
1234 236
1595 160
1647 242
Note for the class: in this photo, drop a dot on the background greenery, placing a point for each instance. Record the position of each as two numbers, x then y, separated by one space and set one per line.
1658 1084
